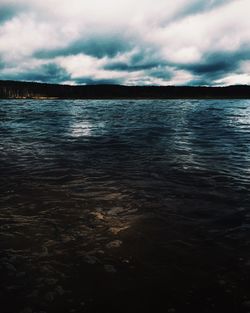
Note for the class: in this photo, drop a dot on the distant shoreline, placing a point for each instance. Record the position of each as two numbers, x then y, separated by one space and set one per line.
41 91
122 98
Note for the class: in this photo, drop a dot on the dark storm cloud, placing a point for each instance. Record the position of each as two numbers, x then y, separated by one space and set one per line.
96 46
193 8
122 66
91 81
140 60
154 69
198 6
199 82
8 11
216 65
2 64
50 73
161 73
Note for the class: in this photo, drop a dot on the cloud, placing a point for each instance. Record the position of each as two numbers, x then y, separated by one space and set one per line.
50 73
197 7
234 79
95 45
217 65
9 9
128 42
6 13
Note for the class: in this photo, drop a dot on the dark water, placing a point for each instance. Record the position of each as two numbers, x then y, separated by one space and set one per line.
125 206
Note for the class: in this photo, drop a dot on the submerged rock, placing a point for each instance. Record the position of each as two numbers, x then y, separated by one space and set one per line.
10 267
115 211
110 268
117 230
98 215
114 244
59 290
90 259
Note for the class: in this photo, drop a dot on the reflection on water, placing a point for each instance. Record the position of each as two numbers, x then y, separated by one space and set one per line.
81 129
84 128
105 198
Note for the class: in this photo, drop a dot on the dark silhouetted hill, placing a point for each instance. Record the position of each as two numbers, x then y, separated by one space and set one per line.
20 90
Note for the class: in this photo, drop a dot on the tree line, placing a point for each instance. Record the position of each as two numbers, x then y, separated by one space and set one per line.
16 90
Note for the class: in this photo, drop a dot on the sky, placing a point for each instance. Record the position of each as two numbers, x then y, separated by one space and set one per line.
142 42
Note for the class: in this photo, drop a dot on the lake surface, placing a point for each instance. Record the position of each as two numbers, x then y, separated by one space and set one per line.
124 206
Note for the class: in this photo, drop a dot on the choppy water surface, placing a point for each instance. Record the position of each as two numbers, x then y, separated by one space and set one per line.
125 205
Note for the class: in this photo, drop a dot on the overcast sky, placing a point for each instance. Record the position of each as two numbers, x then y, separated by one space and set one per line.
133 42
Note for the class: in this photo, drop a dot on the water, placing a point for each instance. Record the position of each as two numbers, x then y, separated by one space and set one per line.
125 205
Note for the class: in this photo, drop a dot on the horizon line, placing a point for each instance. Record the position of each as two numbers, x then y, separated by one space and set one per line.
120 85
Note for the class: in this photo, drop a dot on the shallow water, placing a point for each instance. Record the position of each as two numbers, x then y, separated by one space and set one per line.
125 205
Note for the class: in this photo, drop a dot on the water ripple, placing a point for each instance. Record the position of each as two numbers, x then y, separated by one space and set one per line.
82 180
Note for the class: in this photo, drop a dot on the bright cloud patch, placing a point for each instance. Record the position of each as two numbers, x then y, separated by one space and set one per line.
143 42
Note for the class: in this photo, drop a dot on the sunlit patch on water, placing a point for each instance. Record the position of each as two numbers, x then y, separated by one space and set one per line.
87 129
81 129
